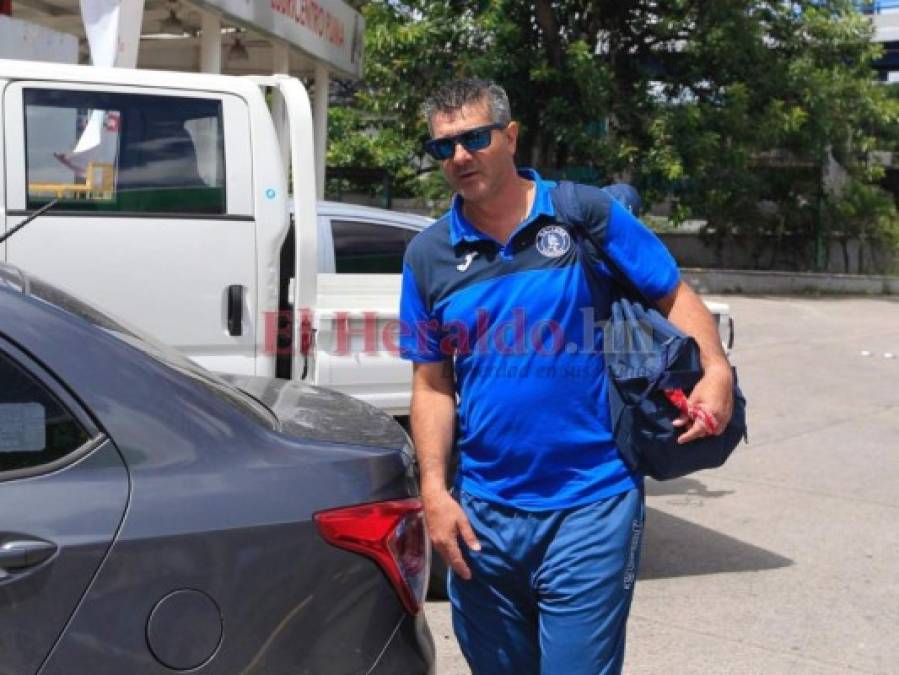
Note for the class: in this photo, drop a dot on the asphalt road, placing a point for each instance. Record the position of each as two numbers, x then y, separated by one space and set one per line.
786 560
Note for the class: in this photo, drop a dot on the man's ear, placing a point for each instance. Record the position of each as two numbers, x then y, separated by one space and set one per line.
511 134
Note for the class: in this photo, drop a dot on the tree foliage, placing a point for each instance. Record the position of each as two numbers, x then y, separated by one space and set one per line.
727 110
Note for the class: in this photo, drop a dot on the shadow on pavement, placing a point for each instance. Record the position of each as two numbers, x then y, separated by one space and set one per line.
674 547
682 486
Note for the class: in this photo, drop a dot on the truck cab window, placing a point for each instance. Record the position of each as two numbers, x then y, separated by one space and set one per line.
369 248
99 151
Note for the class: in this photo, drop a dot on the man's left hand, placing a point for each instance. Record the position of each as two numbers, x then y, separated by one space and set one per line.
710 405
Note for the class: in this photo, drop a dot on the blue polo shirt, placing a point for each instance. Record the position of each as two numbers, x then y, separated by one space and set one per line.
518 323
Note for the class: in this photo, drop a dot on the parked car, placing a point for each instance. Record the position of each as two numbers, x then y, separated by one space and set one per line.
154 517
357 239
178 218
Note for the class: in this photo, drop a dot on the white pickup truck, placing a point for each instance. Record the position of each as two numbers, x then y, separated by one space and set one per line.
174 213
186 204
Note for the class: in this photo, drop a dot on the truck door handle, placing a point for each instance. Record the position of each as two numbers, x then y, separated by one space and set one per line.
20 553
235 310
730 338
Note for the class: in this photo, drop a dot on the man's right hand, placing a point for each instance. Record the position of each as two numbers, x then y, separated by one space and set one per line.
447 524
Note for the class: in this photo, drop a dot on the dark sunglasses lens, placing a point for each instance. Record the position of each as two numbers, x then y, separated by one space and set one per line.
440 148
443 148
477 139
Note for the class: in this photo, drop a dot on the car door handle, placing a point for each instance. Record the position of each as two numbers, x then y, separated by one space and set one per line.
235 309
20 553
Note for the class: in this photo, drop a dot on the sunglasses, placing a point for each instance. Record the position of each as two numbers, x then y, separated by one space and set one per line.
472 140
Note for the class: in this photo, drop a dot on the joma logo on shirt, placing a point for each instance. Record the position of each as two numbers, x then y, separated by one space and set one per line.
462 267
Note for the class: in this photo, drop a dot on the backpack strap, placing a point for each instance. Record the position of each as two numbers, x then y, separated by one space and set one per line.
570 214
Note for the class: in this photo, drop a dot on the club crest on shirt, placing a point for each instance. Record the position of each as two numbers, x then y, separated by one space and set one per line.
553 241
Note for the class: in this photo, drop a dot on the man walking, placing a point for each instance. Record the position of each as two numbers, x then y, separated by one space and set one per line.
544 540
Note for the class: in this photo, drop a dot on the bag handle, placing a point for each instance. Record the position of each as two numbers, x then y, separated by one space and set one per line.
568 208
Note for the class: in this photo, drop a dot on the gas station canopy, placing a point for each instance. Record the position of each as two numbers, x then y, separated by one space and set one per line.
229 36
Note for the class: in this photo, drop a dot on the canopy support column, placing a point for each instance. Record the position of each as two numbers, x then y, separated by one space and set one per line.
211 44
320 125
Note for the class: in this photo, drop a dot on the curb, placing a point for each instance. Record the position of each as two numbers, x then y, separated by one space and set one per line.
788 283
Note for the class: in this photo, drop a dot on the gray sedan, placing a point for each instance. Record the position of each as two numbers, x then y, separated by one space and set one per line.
155 518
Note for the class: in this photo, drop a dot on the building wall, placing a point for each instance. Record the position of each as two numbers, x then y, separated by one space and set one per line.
30 42
690 250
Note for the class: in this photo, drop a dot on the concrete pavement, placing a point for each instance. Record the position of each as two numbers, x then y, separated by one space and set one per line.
786 560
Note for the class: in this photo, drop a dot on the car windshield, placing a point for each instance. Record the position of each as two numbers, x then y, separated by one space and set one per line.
153 348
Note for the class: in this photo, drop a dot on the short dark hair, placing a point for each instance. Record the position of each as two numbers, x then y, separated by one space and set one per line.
457 93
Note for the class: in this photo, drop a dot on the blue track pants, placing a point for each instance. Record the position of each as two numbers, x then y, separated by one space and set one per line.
550 591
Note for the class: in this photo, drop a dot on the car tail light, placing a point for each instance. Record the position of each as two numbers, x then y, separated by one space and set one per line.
393 534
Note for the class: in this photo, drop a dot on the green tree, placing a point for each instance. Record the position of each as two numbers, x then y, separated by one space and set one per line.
728 109
867 215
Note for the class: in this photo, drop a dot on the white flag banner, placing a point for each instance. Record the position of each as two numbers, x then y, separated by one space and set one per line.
113 31
131 13
92 136
101 24
113 34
